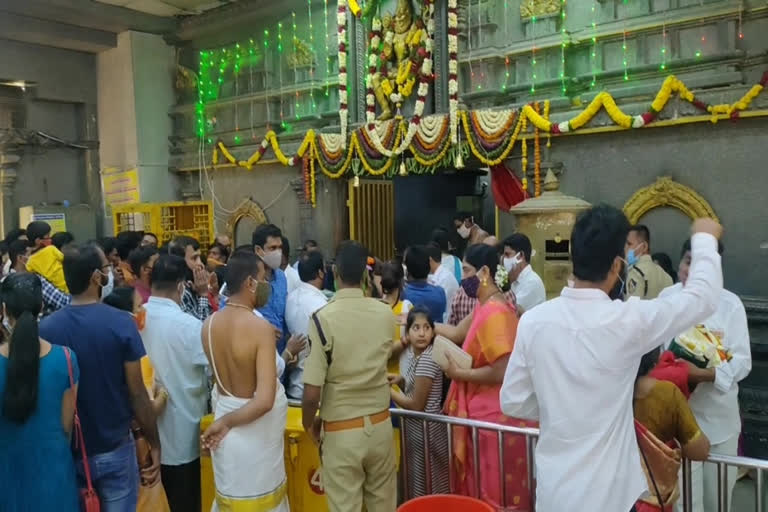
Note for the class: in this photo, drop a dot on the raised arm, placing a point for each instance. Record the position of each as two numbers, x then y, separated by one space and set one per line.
664 318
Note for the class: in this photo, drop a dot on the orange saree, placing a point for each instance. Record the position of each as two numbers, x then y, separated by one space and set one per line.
491 336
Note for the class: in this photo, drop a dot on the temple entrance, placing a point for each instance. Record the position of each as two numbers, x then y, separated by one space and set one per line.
387 216
423 203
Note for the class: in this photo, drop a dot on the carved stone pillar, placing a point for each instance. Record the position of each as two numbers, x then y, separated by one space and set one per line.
10 155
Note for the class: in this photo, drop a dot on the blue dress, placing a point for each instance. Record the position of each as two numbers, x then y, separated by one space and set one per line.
37 470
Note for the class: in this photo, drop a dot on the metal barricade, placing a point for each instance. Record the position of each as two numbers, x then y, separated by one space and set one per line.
531 434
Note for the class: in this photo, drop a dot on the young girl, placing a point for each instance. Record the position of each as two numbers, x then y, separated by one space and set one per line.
423 384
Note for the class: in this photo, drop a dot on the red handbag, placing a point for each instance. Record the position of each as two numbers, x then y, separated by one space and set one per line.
88 496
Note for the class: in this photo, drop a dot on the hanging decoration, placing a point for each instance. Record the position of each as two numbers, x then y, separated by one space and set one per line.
593 51
491 136
453 68
341 22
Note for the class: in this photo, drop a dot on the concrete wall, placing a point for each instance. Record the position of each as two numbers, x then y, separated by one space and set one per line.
270 187
66 89
135 93
724 163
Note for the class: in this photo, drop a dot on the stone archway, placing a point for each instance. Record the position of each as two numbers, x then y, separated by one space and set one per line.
667 192
248 209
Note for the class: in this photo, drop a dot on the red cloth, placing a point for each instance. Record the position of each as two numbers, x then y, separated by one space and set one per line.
506 188
213 300
673 371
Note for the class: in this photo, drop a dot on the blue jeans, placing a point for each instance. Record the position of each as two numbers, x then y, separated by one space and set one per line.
115 476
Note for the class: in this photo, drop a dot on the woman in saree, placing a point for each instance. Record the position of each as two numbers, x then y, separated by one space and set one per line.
488 335
666 429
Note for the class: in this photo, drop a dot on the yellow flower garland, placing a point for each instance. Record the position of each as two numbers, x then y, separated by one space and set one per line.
603 100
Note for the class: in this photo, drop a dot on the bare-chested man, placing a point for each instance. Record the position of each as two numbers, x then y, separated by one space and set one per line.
246 438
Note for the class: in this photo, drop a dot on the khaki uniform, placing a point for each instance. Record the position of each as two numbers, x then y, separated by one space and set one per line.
646 279
358 460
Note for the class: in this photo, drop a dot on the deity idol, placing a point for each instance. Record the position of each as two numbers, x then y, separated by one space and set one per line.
404 47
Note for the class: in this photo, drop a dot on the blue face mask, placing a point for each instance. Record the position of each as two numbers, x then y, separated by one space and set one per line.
631 258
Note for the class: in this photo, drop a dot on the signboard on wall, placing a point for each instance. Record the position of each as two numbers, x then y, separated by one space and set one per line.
57 221
120 187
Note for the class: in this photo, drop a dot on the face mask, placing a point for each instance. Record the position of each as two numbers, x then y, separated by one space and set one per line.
631 258
470 285
262 293
513 262
109 285
571 283
141 318
463 231
273 259
7 325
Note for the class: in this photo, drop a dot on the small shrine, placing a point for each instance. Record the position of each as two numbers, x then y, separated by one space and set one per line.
548 220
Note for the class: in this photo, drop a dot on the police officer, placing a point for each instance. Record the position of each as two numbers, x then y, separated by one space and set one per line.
645 278
345 376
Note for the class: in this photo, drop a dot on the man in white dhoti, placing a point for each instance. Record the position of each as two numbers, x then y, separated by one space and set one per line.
246 438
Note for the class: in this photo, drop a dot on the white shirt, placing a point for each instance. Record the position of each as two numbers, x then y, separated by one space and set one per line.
573 368
445 280
716 404
292 276
173 343
449 261
301 303
529 289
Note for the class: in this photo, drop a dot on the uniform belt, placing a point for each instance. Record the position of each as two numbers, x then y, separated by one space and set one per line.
336 426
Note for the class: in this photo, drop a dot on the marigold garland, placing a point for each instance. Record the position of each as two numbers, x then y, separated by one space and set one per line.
546 117
524 161
431 141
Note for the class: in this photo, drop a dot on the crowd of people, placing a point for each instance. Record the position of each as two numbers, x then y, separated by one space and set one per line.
124 344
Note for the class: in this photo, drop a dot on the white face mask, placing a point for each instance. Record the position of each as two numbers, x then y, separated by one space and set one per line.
513 262
107 289
273 259
463 231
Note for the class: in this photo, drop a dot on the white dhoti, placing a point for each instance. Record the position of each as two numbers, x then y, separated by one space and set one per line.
248 465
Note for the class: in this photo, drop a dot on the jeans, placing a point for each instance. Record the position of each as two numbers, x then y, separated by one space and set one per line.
115 476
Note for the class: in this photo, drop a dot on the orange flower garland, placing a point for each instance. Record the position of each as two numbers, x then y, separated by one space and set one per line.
524 163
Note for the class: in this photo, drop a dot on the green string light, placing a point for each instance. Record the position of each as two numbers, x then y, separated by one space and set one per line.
327 48
533 56
593 53
624 53
563 44
663 65
311 64
295 64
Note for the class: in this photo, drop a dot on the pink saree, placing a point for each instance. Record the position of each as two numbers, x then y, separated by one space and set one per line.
491 336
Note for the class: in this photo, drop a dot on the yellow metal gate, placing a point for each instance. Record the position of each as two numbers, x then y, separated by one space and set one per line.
372 216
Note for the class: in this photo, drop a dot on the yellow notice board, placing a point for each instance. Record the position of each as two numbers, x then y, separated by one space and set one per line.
57 221
120 187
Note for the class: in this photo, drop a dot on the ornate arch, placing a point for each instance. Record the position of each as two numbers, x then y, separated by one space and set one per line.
667 192
248 208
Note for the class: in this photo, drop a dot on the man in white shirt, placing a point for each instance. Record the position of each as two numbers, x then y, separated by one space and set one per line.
452 264
307 298
715 399
527 285
576 358
440 276
174 346
291 274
